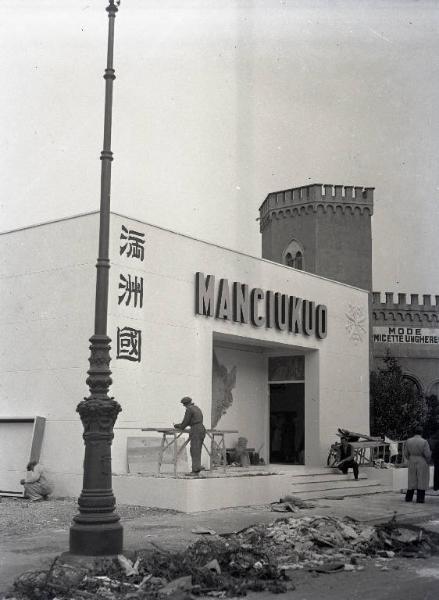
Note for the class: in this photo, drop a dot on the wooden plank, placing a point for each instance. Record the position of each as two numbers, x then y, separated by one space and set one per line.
16 442
172 430
163 429
220 431
37 438
17 419
368 444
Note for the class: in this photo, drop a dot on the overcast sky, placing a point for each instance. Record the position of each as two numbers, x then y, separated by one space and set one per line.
217 103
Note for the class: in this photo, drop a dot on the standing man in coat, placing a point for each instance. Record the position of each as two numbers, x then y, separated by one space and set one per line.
193 418
417 453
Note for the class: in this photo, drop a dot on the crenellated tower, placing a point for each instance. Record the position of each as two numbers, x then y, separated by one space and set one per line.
322 229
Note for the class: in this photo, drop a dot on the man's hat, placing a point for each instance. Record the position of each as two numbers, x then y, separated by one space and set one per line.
186 400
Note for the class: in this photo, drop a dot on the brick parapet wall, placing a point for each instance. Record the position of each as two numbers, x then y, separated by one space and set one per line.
316 197
405 308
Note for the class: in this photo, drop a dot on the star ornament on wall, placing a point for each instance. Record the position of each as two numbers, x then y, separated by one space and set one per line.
355 323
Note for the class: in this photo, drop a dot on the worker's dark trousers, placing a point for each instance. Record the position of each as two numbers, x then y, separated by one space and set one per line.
196 437
420 496
345 466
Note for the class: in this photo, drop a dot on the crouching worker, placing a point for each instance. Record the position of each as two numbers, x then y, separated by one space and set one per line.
193 418
36 485
346 458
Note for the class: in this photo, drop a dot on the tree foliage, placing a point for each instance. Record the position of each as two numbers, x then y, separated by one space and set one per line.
397 406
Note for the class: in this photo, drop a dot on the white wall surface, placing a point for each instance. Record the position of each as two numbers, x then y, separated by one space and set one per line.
47 278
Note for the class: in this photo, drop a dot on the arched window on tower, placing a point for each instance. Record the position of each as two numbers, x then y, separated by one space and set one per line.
293 255
289 260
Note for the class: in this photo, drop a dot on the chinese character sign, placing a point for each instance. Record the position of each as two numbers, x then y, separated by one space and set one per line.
132 243
129 340
129 344
131 290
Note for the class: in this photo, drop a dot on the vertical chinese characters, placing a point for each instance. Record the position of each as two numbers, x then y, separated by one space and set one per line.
131 289
132 243
129 344
129 339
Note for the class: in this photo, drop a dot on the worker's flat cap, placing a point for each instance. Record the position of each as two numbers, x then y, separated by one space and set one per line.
186 400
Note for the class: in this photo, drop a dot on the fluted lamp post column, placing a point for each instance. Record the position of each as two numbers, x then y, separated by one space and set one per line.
96 530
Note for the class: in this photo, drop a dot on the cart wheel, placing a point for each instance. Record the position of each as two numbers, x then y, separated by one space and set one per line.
331 461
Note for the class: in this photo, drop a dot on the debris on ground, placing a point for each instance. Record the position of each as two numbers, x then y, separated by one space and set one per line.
296 501
203 531
290 504
128 566
262 557
283 507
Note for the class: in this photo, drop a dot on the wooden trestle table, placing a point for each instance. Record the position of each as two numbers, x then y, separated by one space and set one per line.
170 435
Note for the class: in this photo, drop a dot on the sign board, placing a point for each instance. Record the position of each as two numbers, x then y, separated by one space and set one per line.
236 301
406 335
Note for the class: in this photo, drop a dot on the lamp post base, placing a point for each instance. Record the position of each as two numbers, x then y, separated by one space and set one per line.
96 540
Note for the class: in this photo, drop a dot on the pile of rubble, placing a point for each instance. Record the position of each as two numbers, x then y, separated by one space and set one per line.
327 544
264 557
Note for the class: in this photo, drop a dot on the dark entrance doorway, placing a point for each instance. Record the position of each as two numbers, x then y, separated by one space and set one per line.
287 423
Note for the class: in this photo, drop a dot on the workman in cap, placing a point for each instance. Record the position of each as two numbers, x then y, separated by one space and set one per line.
346 458
193 418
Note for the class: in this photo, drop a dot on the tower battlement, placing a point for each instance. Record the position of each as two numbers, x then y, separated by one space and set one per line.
328 225
405 300
405 307
317 196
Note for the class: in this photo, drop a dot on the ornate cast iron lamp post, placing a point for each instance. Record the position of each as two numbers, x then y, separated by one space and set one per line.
96 529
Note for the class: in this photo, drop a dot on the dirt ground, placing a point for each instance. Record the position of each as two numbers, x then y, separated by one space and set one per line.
20 517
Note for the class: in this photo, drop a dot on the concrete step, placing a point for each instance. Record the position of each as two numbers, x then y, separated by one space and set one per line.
298 479
342 493
301 471
311 486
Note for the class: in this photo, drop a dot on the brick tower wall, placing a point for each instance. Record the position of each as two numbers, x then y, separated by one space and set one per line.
333 225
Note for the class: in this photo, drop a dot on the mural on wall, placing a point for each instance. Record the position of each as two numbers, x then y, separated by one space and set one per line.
223 382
